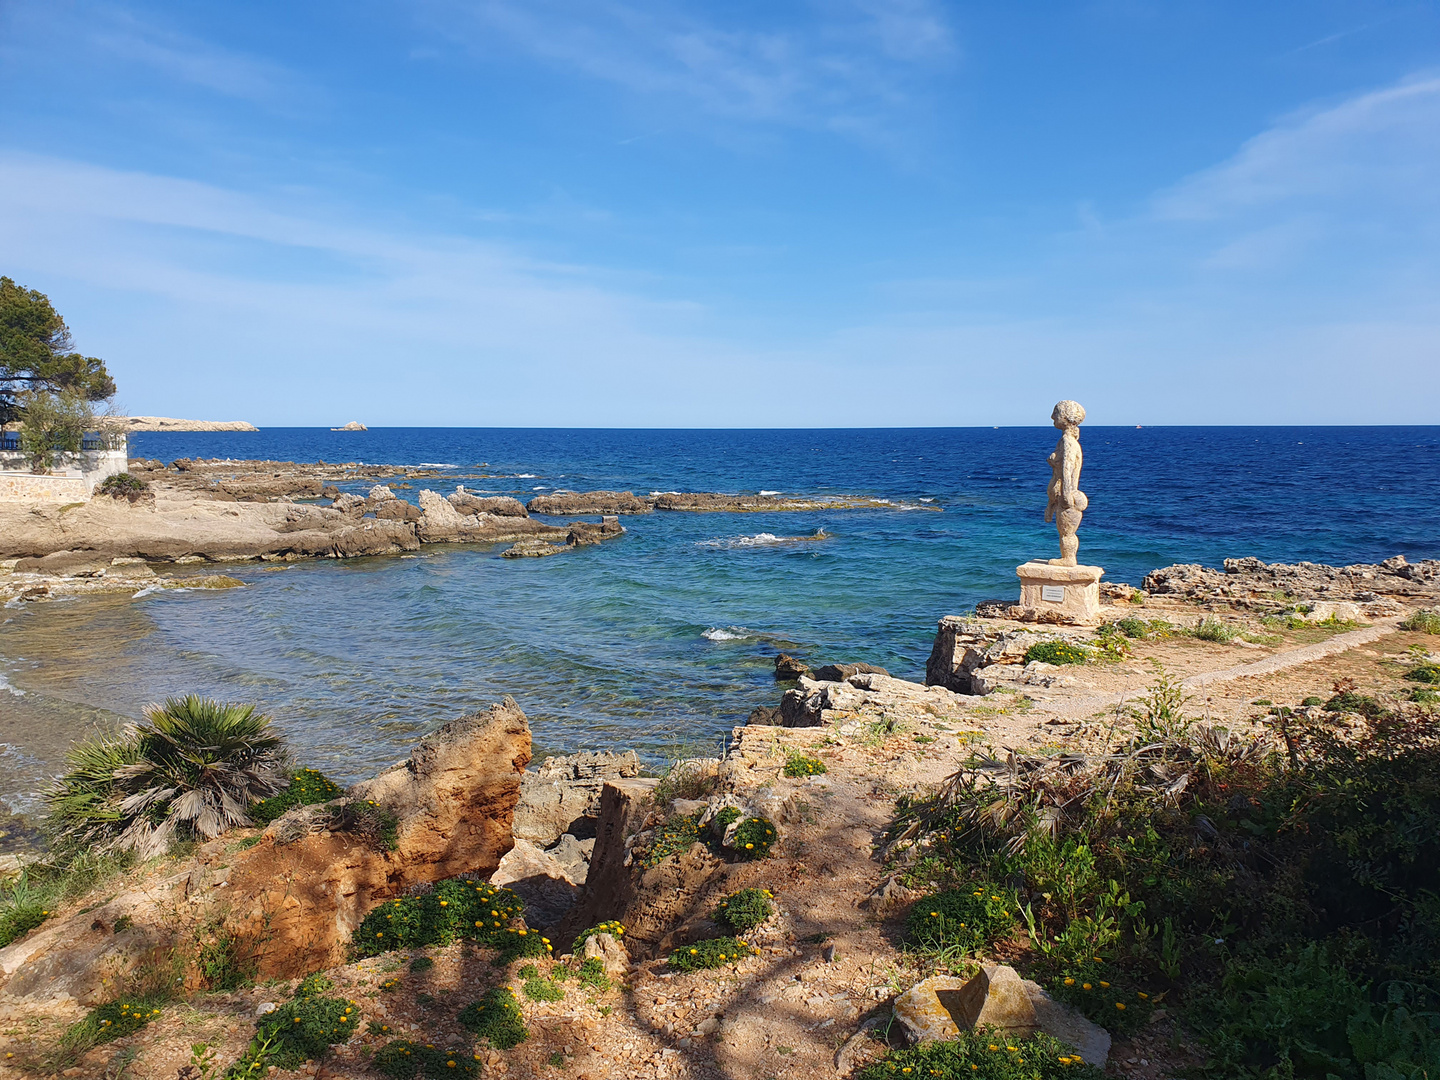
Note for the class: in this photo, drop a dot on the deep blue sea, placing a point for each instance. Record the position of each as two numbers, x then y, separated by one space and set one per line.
665 637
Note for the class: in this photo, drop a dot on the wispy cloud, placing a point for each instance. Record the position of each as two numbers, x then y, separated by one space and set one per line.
842 66
1379 146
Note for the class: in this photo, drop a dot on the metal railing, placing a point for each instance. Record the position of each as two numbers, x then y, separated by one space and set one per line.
93 441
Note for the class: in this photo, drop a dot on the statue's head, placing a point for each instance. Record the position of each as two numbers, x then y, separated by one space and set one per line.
1068 414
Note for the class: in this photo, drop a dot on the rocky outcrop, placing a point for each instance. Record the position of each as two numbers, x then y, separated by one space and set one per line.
290 902
443 523
499 505
173 529
549 887
942 1006
301 487
1253 583
169 423
787 668
581 534
454 800
562 796
974 657
841 672
589 502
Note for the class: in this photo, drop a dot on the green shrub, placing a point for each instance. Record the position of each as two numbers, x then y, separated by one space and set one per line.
306 788
537 987
1424 695
314 985
754 838
1132 627
184 773
798 765
23 907
745 910
710 954
1312 700
421 963
1423 620
983 1054
300 1030
121 485
1304 1014
1056 652
112 1021
1347 700
455 909
1118 1006
1424 673
673 837
405 1059
392 983
496 1017
592 973
1212 630
966 919
226 963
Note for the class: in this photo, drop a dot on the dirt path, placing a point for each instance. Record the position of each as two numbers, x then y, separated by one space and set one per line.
1080 707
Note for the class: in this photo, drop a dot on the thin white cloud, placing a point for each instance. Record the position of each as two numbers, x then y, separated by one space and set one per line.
841 69
1384 144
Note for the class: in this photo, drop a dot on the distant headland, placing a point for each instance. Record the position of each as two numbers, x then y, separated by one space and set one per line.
167 423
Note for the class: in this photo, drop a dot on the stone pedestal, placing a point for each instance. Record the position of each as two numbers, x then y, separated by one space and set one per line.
1071 592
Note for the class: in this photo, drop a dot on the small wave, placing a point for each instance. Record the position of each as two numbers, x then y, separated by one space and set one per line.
437 465
734 633
527 476
923 499
763 539
769 493
148 590
540 487
6 684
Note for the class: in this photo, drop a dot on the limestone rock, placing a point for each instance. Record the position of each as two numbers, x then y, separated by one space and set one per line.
454 798
608 949
563 794
787 667
398 509
381 491
499 505
541 880
841 672
939 1007
589 502
86 955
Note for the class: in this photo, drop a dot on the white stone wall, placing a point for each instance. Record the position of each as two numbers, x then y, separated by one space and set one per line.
27 487
89 468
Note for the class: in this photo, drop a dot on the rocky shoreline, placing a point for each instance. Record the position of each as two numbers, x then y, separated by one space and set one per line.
585 839
220 511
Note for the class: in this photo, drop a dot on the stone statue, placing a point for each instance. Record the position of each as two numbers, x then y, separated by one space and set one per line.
1067 502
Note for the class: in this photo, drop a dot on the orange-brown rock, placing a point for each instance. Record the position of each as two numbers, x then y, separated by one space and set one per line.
455 799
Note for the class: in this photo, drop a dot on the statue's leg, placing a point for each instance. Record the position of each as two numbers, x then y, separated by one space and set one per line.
1067 524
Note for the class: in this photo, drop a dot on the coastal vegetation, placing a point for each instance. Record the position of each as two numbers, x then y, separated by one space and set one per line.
38 363
744 910
190 770
984 1054
1279 891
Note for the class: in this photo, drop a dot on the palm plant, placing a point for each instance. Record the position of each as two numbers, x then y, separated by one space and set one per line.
190 770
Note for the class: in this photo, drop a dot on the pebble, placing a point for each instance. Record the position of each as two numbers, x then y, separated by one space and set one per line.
265 1008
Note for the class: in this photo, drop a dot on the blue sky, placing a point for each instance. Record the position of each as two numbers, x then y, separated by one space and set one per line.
829 213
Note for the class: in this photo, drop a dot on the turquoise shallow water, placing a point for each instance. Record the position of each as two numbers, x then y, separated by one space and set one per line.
667 635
